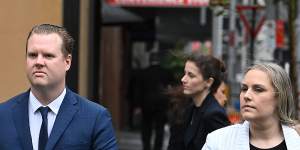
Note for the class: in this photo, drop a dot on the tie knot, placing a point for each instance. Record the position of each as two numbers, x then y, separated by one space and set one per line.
44 111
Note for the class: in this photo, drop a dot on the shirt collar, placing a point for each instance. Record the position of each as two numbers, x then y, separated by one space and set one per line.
35 104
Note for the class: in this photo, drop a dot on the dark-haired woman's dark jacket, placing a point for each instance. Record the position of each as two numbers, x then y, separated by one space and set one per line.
198 122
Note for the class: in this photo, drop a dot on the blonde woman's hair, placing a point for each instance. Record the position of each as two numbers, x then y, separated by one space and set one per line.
283 88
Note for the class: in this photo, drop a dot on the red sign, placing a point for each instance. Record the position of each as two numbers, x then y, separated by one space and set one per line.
279 33
159 3
251 30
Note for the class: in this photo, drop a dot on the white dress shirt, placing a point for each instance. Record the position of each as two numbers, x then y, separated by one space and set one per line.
35 117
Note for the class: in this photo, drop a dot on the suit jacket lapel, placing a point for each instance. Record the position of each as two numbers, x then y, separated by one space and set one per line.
21 120
190 126
291 138
243 142
192 130
64 117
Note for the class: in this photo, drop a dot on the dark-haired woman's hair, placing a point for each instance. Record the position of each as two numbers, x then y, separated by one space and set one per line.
209 67
178 102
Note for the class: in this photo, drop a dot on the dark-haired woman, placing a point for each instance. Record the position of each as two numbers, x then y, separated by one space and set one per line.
202 76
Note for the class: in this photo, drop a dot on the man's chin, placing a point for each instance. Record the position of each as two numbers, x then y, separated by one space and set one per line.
38 84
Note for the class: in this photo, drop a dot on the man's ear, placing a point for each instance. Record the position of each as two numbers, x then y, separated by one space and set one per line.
68 61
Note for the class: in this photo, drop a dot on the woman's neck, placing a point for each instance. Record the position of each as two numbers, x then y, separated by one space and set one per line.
198 99
266 134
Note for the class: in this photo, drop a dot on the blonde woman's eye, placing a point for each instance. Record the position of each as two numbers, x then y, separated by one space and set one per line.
244 89
258 89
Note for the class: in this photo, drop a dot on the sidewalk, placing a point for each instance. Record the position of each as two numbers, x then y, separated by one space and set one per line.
131 140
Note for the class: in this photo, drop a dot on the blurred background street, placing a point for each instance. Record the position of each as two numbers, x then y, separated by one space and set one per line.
131 140
114 40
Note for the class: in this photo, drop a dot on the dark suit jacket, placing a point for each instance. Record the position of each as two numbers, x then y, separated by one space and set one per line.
155 80
207 118
80 125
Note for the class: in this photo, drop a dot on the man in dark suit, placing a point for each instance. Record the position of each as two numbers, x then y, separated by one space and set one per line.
50 116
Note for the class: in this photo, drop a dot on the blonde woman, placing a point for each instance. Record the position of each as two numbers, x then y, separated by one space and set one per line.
267 108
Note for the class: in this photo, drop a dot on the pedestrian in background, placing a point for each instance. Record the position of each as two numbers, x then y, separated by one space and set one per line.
267 107
49 115
221 95
202 76
154 102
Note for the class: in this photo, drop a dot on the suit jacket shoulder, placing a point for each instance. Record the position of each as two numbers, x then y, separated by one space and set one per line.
214 114
12 101
79 124
207 118
15 132
88 124
86 105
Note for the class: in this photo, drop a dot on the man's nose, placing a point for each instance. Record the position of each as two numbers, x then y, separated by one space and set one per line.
40 60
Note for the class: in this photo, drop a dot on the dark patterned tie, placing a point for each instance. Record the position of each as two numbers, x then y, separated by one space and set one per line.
43 138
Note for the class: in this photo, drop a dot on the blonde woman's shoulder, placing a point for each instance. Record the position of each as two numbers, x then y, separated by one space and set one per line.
291 136
227 137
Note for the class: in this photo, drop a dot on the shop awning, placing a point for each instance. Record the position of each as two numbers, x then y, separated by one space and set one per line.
113 15
159 3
